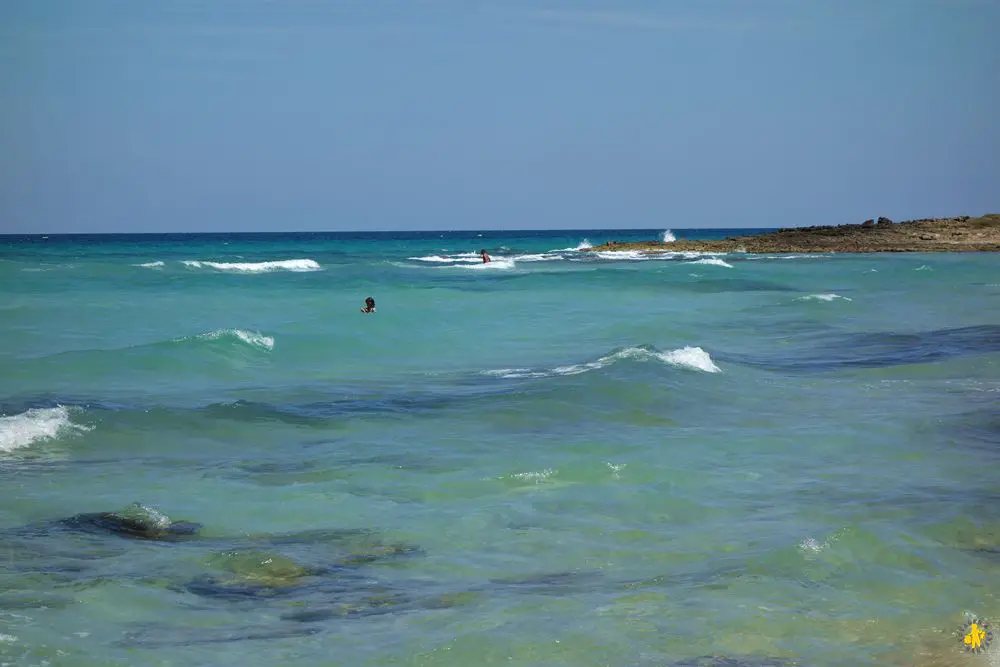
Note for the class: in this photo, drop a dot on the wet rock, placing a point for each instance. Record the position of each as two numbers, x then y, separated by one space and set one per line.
239 575
135 522
261 567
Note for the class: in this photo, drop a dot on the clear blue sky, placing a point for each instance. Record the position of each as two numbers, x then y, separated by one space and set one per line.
252 115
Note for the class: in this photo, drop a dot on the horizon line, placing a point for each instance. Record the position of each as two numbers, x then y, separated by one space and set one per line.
385 231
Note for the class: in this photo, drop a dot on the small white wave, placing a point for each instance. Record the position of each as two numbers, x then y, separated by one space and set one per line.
516 373
714 261
668 236
252 338
465 257
8 639
496 264
539 257
296 265
35 425
693 358
628 255
923 267
822 297
150 265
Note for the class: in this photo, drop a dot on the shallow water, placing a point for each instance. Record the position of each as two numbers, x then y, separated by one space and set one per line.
559 458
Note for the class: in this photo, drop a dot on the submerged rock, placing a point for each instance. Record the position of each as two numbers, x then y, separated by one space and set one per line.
136 522
250 574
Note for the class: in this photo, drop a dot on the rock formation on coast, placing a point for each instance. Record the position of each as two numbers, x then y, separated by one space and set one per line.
959 234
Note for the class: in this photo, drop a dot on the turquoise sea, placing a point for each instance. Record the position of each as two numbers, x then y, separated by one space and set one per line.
559 458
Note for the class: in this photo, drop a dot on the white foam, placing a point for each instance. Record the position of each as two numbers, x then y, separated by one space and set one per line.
496 264
516 373
35 425
297 265
541 257
150 265
632 255
714 261
8 639
693 358
252 338
923 267
822 297
668 236
465 257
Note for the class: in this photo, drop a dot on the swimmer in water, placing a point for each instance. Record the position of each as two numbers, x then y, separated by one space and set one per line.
369 306
486 257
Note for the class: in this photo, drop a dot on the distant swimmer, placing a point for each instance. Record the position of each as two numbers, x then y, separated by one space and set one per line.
369 306
486 257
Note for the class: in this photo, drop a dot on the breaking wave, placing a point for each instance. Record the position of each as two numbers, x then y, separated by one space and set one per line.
295 265
822 297
35 425
495 264
714 261
252 338
689 358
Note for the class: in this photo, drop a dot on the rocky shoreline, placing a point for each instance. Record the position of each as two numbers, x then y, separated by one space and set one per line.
959 234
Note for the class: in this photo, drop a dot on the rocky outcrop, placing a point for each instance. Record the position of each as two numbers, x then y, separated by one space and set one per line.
960 234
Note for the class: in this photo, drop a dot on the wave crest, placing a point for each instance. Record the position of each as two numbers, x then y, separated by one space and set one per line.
714 261
251 338
822 297
35 425
295 265
690 358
